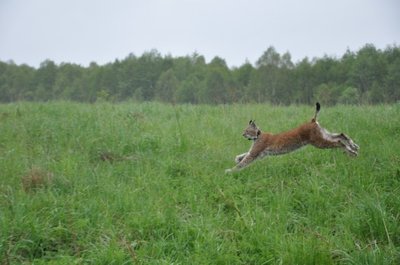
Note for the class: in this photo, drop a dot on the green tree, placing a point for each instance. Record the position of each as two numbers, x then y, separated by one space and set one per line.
274 78
241 81
16 82
128 78
375 74
286 61
216 83
214 91
166 86
189 90
328 70
368 68
68 83
392 78
45 77
349 95
269 58
327 94
304 82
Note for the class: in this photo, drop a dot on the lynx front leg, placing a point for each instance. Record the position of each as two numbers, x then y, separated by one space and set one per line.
240 157
245 161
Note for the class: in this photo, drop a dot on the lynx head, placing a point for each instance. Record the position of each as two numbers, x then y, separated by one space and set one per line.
252 131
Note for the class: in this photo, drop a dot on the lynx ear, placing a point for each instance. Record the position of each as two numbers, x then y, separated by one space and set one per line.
251 121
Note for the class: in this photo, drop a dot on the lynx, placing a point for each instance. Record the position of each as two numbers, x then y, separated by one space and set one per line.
267 144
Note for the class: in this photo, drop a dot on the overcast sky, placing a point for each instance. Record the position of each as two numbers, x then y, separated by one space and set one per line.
84 31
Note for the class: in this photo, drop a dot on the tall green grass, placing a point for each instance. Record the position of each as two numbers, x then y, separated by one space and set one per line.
144 184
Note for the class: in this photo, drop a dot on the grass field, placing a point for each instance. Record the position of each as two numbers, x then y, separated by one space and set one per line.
144 184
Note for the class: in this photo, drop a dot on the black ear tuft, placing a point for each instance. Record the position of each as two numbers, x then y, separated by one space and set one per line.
251 121
318 106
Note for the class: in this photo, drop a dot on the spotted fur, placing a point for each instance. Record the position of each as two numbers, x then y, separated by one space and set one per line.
266 144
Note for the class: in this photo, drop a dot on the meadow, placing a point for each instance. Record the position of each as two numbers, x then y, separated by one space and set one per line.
144 183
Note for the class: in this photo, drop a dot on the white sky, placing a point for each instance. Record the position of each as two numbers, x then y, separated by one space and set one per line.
84 31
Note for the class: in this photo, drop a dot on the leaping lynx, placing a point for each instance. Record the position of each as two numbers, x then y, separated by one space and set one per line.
265 144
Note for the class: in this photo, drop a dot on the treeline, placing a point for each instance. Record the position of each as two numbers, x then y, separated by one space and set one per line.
369 75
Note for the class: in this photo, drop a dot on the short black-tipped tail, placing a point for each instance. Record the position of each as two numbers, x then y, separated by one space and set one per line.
317 108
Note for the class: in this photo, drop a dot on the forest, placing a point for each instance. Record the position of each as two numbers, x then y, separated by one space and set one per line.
367 76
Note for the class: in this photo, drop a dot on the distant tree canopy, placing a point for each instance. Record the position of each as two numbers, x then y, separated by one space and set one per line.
369 76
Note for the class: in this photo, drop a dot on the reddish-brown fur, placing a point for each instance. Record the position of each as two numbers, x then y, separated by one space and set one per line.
276 144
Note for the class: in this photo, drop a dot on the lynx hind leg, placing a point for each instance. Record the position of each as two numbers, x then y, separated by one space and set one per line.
350 147
332 140
346 142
